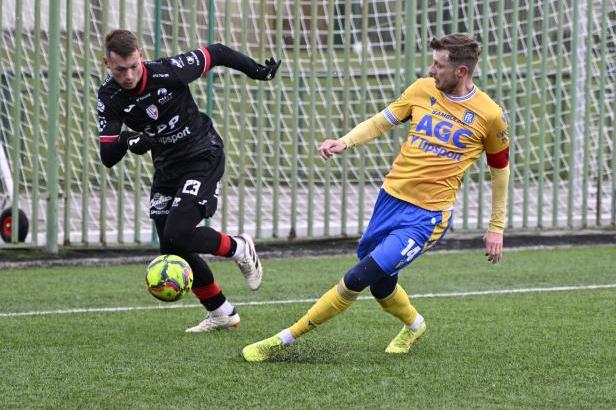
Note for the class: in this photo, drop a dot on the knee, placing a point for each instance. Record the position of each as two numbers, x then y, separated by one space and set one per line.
364 274
384 287
176 240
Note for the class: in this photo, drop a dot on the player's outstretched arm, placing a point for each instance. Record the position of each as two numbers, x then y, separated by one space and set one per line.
363 133
222 55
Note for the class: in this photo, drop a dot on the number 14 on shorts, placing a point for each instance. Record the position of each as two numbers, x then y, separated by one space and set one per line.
410 251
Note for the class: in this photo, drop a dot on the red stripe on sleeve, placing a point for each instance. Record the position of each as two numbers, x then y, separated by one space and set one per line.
208 60
225 245
499 160
108 138
206 292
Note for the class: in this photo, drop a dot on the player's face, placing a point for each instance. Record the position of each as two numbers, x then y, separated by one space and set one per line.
445 74
125 71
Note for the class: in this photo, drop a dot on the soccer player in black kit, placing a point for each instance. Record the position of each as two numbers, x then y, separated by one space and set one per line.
153 99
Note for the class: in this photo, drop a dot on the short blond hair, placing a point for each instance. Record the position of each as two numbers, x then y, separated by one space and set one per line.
463 49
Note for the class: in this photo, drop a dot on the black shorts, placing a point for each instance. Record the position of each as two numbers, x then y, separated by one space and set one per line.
198 183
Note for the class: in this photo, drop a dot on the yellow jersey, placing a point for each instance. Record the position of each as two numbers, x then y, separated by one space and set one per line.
447 135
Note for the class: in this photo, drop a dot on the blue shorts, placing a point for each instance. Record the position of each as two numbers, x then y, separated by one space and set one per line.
399 232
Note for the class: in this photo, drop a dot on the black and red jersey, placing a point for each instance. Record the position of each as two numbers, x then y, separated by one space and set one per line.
162 106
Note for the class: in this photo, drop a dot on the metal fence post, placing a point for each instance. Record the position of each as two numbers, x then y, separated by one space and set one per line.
52 126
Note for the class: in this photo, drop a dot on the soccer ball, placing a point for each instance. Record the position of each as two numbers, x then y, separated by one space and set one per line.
168 278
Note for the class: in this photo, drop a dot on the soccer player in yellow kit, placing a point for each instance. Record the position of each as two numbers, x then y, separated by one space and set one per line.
452 123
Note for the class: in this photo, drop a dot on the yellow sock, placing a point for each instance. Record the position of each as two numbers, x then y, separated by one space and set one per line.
399 305
332 303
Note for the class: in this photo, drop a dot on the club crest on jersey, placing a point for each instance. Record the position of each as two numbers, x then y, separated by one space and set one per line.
432 101
164 95
469 117
152 112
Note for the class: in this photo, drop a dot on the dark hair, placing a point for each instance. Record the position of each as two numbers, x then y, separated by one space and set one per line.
463 49
121 42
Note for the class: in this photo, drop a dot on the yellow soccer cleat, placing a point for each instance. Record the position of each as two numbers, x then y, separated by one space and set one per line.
263 350
405 339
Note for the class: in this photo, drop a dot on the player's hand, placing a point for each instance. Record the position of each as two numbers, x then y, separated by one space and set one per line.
268 71
330 147
494 246
137 143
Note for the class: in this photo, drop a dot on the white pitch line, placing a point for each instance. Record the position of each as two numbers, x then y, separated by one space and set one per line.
295 301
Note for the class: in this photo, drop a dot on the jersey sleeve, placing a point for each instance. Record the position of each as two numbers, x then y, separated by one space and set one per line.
496 143
192 65
400 110
109 122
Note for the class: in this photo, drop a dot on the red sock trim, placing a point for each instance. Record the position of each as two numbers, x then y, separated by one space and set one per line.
225 245
207 292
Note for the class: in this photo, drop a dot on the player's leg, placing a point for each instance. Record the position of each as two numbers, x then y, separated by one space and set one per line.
182 233
196 199
221 314
394 300
334 301
338 298
391 252
399 249
365 273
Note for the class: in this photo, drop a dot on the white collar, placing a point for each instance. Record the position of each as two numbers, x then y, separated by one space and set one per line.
468 96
